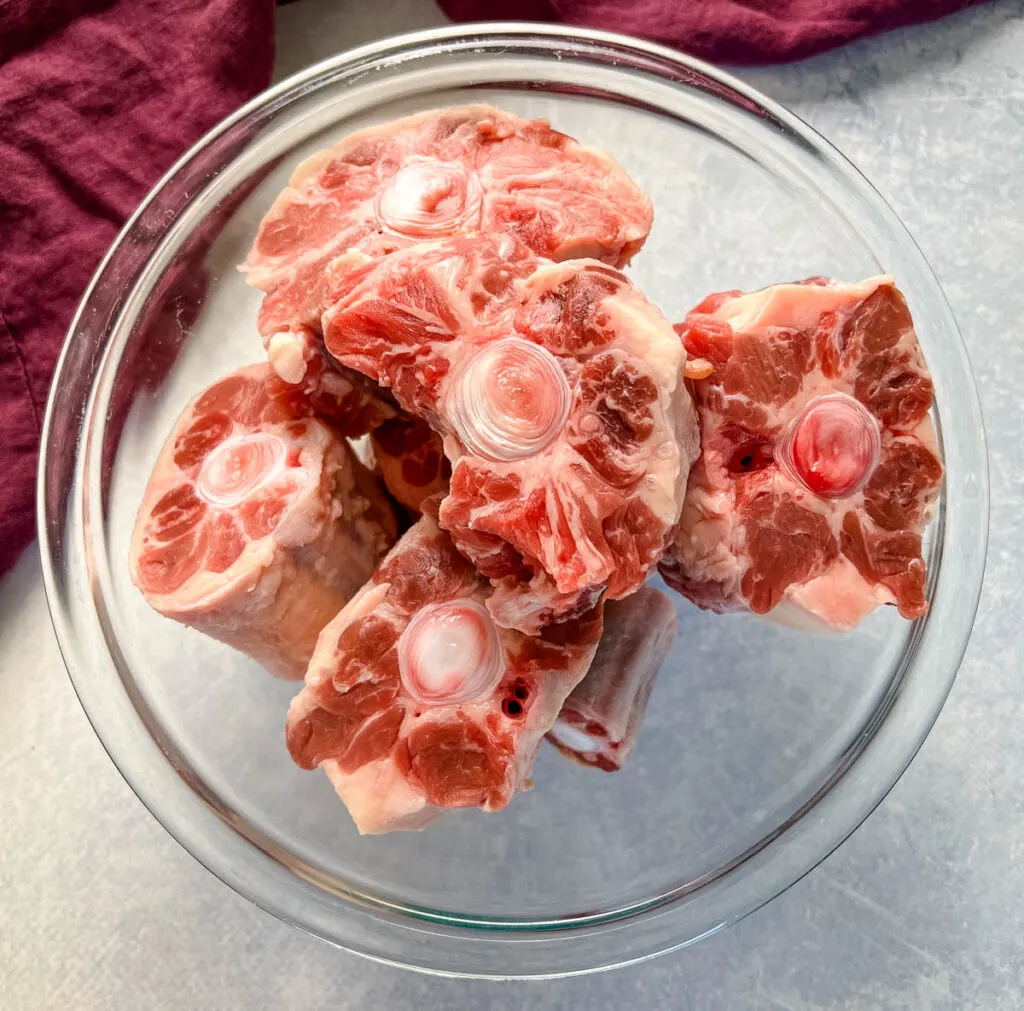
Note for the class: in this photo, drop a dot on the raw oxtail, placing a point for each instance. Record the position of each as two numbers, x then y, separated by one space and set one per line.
427 177
417 702
559 391
819 468
410 457
601 717
258 522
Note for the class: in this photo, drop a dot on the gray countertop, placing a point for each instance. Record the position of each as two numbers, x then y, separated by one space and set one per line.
922 908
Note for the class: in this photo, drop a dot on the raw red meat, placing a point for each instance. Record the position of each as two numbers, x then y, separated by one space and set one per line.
428 176
820 467
416 702
411 460
558 389
342 397
404 451
600 719
407 453
258 522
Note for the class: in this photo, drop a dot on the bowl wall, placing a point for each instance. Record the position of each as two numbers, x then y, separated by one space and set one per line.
762 747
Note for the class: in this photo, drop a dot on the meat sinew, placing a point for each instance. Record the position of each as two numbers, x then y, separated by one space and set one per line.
601 718
432 175
558 390
258 522
819 469
416 702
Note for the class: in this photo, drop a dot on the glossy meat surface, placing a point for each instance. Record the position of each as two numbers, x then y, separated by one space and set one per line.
600 720
819 466
416 702
426 177
558 390
258 523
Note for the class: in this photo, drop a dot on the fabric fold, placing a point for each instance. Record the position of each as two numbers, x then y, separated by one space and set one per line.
97 100
751 32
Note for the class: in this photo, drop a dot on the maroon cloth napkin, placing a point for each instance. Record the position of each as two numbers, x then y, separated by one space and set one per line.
723 31
97 99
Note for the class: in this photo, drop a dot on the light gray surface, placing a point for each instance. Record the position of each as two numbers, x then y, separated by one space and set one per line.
921 909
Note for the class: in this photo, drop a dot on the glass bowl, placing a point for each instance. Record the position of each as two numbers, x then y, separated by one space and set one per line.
763 748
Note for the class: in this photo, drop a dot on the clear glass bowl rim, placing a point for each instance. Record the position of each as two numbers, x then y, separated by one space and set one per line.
451 949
